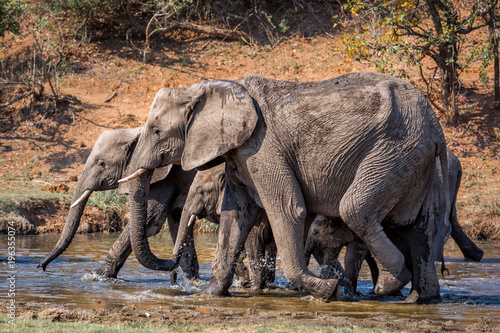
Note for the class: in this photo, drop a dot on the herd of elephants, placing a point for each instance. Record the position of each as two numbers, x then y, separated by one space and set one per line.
358 161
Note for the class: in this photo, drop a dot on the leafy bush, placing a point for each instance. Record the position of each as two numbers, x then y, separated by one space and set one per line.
10 12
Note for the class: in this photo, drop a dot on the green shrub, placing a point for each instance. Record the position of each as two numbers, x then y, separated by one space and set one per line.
10 12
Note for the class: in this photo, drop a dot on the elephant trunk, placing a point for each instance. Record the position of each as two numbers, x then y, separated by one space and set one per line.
70 227
185 230
138 219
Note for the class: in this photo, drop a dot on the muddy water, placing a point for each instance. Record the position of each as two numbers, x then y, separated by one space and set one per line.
471 291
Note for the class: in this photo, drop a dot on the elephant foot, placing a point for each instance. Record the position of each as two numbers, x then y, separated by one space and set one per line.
106 272
256 288
473 255
414 298
388 284
216 290
348 288
291 286
327 289
173 277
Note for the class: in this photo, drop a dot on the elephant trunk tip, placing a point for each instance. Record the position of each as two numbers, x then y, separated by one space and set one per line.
43 265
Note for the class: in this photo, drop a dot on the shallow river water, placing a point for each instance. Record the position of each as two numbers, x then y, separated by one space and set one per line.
469 292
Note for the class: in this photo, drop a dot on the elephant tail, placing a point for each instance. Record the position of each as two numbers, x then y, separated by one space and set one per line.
443 229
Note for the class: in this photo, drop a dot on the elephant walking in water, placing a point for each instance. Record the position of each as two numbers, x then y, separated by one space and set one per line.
361 147
327 237
105 165
170 186
204 200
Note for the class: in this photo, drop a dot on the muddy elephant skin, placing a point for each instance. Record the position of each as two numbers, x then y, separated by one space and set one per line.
361 147
327 237
106 164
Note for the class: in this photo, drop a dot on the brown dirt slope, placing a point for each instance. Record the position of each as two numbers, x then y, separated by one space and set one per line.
110 87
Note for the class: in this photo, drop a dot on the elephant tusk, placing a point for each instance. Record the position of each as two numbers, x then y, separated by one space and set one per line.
191 220
84 196
133 176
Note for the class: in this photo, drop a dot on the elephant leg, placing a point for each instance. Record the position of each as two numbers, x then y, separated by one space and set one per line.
356 253
121 250
425 283
118 254
241 271
286 210
270 254
261 251
372 264
237 217
362 209
256 252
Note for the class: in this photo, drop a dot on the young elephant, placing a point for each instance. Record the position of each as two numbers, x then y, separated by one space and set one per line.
327 237
105 165
204 200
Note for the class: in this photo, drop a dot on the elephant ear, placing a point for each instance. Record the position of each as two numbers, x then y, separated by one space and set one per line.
160 174
130 142
222 117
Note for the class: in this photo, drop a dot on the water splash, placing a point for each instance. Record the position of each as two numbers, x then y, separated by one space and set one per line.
184 282
94 277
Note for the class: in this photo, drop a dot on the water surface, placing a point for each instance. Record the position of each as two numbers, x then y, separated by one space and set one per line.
471 291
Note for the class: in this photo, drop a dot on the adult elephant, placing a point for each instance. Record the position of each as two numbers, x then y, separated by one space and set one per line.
327 236
361 147
106 164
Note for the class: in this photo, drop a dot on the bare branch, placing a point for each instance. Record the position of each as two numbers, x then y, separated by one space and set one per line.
18 98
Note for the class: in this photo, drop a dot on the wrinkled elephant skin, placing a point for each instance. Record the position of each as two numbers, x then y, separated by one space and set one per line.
106 164
361 147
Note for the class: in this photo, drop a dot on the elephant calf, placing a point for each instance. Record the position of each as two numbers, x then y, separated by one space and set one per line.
204 200
327 236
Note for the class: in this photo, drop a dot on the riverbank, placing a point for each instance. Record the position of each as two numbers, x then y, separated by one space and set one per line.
43 154
133 318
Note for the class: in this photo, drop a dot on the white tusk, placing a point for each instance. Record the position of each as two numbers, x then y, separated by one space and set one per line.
133 176
84 196
191 220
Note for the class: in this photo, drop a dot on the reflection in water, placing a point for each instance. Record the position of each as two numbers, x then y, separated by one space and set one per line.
471 291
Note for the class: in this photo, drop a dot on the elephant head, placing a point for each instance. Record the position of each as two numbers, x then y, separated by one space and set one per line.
106 164
176 132
325 239
204 199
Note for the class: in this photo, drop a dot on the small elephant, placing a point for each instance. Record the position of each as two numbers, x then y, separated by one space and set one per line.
361 147
105 165
327 236
204 200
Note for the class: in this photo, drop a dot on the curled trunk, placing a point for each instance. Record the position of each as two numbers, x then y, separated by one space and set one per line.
139 195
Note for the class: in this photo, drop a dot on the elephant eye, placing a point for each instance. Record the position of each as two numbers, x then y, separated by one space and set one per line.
156 132
101 164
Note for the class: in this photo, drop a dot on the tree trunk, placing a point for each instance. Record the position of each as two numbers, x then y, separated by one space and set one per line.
449 83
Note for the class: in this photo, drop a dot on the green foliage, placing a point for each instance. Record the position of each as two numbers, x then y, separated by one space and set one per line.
10 12
109 200
397 34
